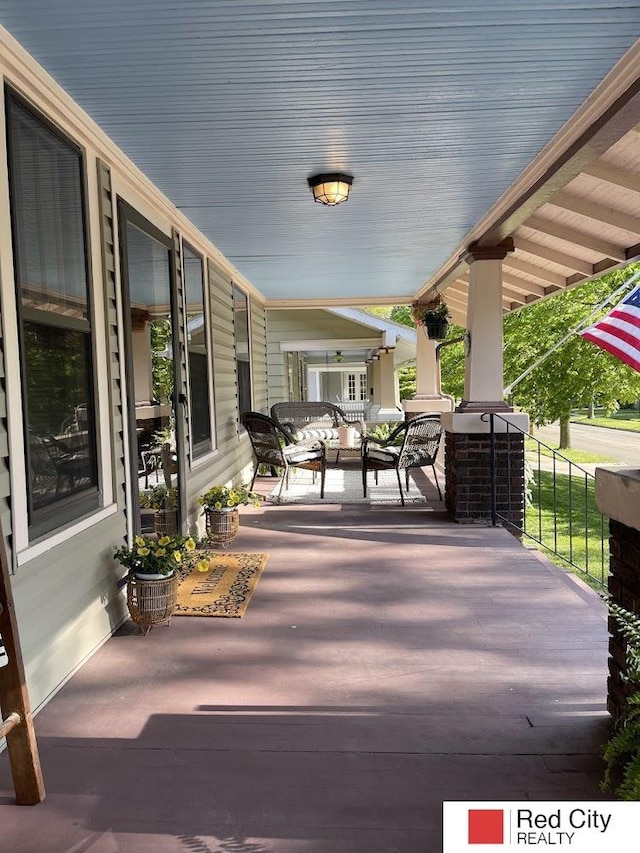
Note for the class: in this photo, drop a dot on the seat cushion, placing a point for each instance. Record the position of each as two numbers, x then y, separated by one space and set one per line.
323 433
294 454
384 454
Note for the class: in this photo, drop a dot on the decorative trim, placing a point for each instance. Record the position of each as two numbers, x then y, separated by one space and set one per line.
498 252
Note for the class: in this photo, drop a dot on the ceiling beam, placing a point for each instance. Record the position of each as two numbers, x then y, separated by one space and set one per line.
593 210
608 129
580 238
604 118
533 270
561 258
514 296
613 175
523 285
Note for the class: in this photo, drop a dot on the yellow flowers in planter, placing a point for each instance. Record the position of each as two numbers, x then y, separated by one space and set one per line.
228 497
155 556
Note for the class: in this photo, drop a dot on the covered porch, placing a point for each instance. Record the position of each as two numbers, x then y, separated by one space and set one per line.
368 681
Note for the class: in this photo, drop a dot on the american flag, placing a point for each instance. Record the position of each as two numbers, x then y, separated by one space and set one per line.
619 331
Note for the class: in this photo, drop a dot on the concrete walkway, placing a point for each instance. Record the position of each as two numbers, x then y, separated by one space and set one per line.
389 660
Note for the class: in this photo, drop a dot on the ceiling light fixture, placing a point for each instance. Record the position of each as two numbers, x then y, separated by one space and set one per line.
338 356
330 189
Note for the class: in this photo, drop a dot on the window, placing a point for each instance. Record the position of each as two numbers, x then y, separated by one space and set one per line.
243 364
356 387
351 389
54 313
198 353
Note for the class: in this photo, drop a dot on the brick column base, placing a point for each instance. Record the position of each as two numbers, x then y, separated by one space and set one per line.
468 477
624 586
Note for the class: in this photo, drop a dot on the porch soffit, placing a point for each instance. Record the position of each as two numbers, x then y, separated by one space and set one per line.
580 221
434 108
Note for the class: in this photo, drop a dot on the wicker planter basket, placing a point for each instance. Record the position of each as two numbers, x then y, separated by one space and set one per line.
222 525
165 522
151 602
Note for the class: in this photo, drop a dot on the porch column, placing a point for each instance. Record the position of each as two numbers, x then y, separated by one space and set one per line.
483 373
389 390
313 392
428 396
618 497
375 382
469 445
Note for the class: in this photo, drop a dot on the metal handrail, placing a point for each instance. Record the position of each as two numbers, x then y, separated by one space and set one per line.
580 515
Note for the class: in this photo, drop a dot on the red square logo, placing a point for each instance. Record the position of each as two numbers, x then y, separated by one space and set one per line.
486 826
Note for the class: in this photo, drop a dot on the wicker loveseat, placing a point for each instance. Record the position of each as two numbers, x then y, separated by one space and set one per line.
315 420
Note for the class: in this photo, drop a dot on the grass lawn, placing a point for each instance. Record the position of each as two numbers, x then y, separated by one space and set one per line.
625 419
572 454
579 534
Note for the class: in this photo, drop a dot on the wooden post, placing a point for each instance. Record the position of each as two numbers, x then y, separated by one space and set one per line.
17 722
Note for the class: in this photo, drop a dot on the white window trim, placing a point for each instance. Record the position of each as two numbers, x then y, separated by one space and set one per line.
193 462
60 536
249 347
13 369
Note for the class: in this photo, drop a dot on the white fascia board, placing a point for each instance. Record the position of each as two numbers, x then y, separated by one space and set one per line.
330 344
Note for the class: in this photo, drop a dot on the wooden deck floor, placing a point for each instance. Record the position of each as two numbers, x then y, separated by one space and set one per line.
389 660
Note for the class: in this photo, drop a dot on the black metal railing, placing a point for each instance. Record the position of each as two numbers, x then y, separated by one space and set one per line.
555 498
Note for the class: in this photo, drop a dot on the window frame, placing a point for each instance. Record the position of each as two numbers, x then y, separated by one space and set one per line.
235 287
28 535
196 458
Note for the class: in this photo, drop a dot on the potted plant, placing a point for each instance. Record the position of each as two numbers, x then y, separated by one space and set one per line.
220 505
152 558
164 501
152 581
434 317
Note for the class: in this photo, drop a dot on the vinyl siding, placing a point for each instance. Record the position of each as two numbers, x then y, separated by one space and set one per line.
5 480
67 601
66 598
232 460
293 325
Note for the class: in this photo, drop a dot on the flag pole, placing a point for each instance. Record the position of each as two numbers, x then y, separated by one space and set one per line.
573 331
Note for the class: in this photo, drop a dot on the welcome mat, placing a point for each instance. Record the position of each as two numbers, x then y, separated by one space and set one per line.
224 589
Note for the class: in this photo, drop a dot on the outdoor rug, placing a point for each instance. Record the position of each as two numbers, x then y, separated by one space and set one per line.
344 486
224 589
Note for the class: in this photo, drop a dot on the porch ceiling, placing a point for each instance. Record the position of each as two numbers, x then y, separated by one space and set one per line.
436 109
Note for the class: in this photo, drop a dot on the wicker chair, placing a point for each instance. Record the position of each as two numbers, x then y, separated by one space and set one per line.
275 446
420 441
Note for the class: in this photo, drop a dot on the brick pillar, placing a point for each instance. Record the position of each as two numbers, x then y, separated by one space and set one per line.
618 497
468 477
624 586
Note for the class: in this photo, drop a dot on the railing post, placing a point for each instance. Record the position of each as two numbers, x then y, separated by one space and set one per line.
492 464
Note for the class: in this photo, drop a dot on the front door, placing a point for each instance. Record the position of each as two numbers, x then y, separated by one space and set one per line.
150 343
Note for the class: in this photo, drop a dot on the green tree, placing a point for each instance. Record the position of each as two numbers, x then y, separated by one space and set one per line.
452 364
162 365
402 314
577 373
451 359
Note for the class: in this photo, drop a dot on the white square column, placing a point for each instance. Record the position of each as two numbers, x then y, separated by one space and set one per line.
484 381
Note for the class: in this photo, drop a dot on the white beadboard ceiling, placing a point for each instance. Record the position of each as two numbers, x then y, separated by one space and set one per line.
435 108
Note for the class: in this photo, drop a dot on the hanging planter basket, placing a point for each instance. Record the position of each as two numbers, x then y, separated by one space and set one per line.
436 329
222 525
434 318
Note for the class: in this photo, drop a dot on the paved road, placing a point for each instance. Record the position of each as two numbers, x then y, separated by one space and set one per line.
622 446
